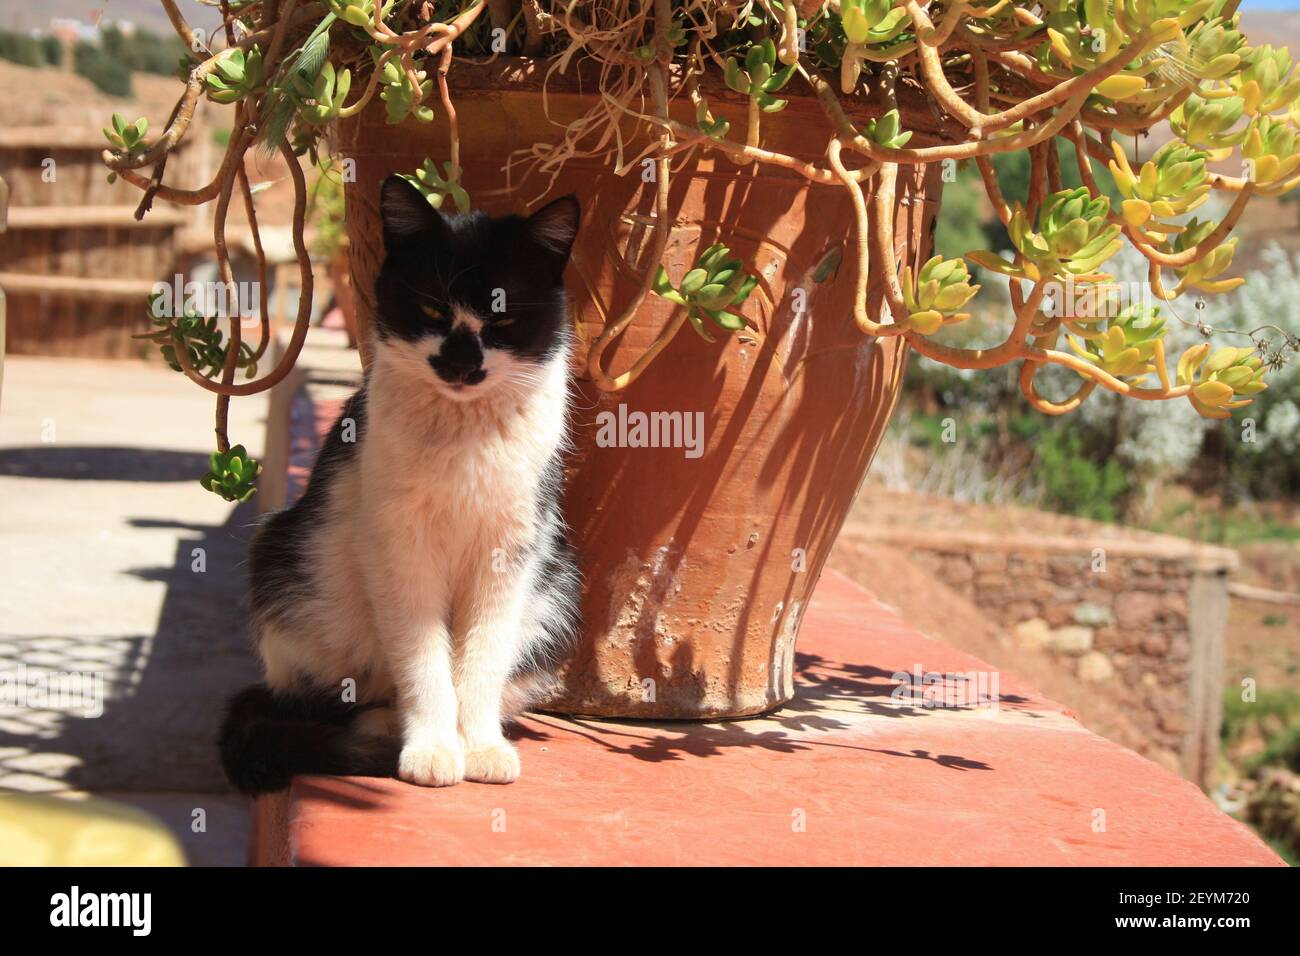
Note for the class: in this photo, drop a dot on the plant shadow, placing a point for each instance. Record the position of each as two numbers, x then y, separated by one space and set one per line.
145 706
830 699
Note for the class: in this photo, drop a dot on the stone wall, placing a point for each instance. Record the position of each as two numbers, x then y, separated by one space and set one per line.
1149 611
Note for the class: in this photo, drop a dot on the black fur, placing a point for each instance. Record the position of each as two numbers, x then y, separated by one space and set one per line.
278 556
507 270
266 738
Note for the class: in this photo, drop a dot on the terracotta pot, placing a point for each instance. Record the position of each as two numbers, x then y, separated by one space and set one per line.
698 569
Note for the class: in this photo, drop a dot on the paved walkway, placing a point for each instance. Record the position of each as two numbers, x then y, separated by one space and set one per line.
115 564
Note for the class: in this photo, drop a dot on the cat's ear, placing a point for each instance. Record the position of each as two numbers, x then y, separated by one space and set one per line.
554 227
405 211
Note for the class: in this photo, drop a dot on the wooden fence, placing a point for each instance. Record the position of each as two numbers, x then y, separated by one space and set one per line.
75 263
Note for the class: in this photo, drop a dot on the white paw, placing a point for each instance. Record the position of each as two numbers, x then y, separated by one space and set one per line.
495 763
432 765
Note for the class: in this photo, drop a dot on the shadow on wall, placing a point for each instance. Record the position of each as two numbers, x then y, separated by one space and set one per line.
163 692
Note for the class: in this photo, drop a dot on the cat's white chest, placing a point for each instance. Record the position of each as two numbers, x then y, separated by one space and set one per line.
466 493
457 491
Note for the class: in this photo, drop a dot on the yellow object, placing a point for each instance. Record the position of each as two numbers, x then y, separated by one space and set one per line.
1121 86
40 830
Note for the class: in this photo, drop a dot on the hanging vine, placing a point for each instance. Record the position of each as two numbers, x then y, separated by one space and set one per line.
1002 77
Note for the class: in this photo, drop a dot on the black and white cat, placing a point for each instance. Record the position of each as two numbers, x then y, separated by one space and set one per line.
426 565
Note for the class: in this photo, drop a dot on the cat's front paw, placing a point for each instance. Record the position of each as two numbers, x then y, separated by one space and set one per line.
432 765
495 763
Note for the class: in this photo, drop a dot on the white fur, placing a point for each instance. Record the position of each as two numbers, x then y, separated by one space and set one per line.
430 558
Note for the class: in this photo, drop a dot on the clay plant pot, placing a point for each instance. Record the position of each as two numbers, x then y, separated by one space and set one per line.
697 569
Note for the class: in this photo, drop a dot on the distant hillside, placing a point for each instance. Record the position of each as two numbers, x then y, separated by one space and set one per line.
146 14
1275 27
63 97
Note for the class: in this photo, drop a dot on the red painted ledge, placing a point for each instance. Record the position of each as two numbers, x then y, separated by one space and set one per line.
852 772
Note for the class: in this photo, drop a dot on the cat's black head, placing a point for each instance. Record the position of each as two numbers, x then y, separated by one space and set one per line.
478 299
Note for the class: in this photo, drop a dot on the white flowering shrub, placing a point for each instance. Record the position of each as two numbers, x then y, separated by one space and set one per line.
1151 443
1265 458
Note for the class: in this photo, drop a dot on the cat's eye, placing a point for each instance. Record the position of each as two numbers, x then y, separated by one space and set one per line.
431 312
503 323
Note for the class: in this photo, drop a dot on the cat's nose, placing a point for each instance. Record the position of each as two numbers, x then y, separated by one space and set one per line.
459 361
454 375
457 373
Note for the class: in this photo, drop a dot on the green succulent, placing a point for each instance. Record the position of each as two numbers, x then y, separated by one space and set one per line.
232 474
759 78
1266 83
1215 48
872 21
937 294
1204 273
711 127
717 284
235 76
1074 236
436 187
1127 346
1208 123
676 38
324 96
127 137
1227 381
1081 38
1169 184
359 13
1146 14
885 131
401 98
200 337
1273 150
1088 35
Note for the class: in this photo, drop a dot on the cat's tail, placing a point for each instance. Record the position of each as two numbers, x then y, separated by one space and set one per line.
525 690
267 737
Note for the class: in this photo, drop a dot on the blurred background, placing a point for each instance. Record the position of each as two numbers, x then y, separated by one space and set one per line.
979 521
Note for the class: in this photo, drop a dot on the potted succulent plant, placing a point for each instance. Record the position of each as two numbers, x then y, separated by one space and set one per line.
766 172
